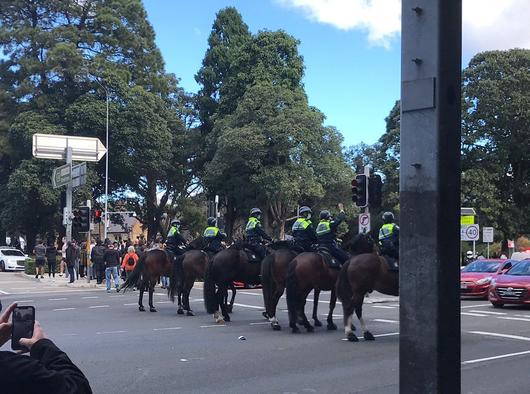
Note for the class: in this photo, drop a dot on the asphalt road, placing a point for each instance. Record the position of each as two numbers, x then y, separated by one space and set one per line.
123 350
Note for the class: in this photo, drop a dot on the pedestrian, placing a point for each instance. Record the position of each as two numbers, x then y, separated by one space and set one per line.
71 255
98 259
62 264
77 259
40 258
112 262
83 257
51 257
46 370
128 263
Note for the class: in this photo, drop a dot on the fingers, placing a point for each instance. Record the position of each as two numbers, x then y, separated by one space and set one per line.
5 316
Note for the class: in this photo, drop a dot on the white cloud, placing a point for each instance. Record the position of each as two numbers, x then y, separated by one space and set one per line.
487 24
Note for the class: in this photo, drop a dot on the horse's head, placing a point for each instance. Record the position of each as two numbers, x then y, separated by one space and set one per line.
362 243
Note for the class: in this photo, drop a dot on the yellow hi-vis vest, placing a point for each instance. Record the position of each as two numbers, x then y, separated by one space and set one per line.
211 232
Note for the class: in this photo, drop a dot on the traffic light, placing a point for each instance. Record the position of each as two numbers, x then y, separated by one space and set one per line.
354 190
84 219
76 220
362 191
375 186
97 215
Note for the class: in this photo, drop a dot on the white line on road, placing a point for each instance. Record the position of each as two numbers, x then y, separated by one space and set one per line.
513 318
63 309
472 314
523 316
167 328
489 313
132 303
475 306
86 298
495 334
69 335
479 360
249 306
57 299
99 306
213 325
258 323
383 306
110 332
163 302
3 292
386 321
386 335
23 301
249 293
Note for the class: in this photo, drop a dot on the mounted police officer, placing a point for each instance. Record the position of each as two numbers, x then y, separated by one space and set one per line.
389 236
326 234
213 236
174 238
255 233
303 230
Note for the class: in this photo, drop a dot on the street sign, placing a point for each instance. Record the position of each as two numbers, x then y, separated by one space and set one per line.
467 219
470 232
61 175
50 146
487 234
78 175
364 223
511 244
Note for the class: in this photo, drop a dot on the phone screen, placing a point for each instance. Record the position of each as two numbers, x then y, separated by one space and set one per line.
23 322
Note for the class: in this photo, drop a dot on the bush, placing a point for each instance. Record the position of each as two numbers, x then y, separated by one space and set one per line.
30 267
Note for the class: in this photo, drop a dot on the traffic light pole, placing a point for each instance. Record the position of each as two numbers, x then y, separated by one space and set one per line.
69 189
367 173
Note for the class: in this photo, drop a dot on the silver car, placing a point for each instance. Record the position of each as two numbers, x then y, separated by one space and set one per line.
12 259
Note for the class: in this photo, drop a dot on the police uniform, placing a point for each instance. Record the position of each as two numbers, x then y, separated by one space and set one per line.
254 233
304 234
175 239
213 237
389 240
326 236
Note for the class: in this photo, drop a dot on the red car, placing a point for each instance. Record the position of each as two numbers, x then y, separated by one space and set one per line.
476 277
512 287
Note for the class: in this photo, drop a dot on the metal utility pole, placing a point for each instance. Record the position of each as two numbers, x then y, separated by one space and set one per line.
69 189
429 356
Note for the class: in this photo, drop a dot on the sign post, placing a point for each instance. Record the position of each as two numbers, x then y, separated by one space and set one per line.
364 223
487 236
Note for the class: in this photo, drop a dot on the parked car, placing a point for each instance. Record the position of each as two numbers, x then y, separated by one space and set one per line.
12 259
512 287
476 277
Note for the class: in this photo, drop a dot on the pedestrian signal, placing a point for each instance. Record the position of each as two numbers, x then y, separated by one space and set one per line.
97 215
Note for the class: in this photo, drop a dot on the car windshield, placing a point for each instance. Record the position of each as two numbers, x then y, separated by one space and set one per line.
12 252
522 268
482 266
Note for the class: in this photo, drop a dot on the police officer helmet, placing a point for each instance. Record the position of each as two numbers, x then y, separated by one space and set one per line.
325 214
388 217
255 212
212 221
175 222
305 210
469 254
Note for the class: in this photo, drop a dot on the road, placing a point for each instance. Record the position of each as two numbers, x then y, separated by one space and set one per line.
123 350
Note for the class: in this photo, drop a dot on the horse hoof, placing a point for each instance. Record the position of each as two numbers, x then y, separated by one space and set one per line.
141 309
219 321
151 309
265 315
190 313
180 311
318 323
332 326
310 328
368 336
229 309
295 330
276 327
227 318
353 327
352 337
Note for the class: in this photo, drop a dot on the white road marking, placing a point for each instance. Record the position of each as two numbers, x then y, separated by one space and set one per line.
213 325
163 302
248 293
523 316
383 306
479 360
167 328
495 334
489 313
132 303
23 301
98 306
69 335
3 292
386 335
110 332
63 309
57 299
472 314
386 321
24 288
475 306
513 318
86 298
258 323
249 306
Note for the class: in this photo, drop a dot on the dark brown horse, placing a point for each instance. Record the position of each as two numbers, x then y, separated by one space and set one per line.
310 271
150 267
227 266
360 275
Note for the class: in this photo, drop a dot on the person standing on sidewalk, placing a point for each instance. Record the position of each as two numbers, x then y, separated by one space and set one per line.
71 256
112 262
51 257
97 256
128 263
40 258
62 264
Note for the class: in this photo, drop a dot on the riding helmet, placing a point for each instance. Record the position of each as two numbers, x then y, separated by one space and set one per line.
325 214
388 217
255 212
304 209
212 221
175 222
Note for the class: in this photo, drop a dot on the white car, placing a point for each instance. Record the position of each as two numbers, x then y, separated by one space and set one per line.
12 259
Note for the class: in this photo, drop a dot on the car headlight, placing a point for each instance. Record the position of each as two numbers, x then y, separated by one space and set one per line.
484 281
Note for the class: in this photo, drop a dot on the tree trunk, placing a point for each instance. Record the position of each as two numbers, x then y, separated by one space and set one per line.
152 222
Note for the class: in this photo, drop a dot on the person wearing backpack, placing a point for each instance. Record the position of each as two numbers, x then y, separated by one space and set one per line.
129 261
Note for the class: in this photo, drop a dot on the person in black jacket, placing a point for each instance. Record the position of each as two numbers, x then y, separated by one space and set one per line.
51 257
112 262
97 255
46 370
71 256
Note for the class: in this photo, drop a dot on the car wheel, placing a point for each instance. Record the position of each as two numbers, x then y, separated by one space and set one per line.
2 266
497 305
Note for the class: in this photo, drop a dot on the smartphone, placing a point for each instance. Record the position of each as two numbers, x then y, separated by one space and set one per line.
22 325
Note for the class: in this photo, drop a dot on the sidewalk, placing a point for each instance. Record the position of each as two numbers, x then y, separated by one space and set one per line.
59 281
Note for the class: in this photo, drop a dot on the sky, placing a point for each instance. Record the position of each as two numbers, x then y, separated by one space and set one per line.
351 48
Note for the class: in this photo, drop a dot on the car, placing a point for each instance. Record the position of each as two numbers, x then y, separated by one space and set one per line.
511 287
12 259
476 277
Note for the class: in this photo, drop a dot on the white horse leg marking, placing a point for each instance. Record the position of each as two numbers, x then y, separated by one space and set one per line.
273 320
347 327
363 324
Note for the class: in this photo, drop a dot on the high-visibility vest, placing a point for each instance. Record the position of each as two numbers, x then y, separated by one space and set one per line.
386 231
172 231
252 223
211 232
301 224
324 227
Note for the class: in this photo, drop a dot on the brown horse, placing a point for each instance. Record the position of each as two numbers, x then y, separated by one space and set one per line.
227 266
310 271
360 275
150 267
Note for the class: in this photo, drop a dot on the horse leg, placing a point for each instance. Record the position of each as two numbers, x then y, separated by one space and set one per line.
151 291
222 290
232 300
272 319
359 312
180 311
186 300
141 298
316 294
305 322
332 302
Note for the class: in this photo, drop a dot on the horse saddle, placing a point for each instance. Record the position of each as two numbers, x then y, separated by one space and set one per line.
331 261
392 262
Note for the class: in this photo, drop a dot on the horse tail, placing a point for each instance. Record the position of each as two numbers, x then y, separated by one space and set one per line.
177 276
210 298
136 275
291 290
267 282
344 292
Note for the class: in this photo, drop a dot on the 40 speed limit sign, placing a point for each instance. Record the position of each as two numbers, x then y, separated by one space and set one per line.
470 232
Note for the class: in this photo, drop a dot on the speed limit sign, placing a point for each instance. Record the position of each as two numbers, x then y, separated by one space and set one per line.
470 232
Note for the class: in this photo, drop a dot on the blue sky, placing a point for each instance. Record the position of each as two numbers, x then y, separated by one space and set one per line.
351 48
353 82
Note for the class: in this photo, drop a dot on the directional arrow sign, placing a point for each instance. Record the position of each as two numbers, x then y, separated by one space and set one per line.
61 175
50 146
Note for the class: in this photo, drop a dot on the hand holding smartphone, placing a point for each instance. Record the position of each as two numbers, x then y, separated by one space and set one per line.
23 321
